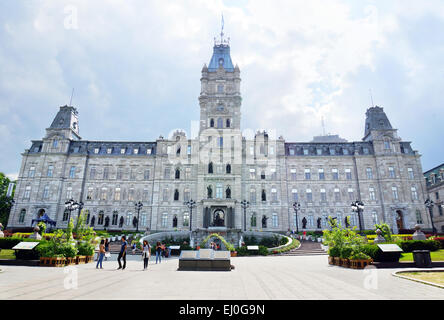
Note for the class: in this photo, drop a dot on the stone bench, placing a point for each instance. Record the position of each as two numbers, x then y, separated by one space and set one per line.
204 260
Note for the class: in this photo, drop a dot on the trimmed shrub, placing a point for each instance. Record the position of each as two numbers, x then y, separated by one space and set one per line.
9 243
371 250
410 245
85 249
345 252
359 256
334 252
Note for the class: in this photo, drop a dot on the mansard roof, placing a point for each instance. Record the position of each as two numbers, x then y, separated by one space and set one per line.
221 55
328 149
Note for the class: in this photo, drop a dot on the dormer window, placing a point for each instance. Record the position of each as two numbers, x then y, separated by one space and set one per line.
109 150
96 150
122 151
148 151
136 151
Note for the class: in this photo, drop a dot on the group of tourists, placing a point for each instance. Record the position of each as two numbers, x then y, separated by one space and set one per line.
214 246
104 253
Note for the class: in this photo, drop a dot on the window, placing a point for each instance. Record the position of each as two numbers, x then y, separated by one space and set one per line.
305 152
122 150
165 194
96 150
263 175
350 194
253 195
176 194
321 174
109 150
335 174
274 220
293 174
437 195
410 173
186 219
345 152
307 174
319 151
395 193
228 168
105 173
117 194
374 217
145 195
310 221
136 151
332 151
211 123
323 195
89 194
46 192
271 150
440 210
166 173
391 172
186 195
309 195
369 173
31 172
372 194
148 151
220 123
164 220
274 195
219 191
187 173
65 215
100 218
418 217
291 151
273 174
103 194
188 150
129 218
69 193
50 171
348 174
55 143
365 150
228 123
387 145
252 174
294 194
220 142
251 150
132 174
22 216
92 173
414 193
146 174
220 88
353 219
119 173
337 195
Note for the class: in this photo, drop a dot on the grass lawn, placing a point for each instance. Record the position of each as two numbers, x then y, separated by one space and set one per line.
435 277
7 254
435 255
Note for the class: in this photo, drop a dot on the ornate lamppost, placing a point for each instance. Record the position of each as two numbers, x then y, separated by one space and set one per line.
358 206
429 204
296 207
190 204
245 204
138 206
71 205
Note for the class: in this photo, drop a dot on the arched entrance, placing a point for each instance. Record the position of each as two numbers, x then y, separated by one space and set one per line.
399 220
219 218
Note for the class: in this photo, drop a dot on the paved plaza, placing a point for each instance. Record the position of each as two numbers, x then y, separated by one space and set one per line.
277 277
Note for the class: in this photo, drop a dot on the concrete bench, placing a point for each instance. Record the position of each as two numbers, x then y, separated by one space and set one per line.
204 260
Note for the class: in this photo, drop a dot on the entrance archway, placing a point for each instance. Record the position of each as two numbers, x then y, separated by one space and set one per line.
399 220
219 218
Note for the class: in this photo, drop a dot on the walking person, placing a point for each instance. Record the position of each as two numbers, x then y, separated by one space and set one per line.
158 252
107 253
122 254
146 253
134 247
101 254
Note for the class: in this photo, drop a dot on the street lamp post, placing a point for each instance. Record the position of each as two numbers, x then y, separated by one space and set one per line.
358 206
79 207
190 204
429 204
71 205
296 207
245 204
138 206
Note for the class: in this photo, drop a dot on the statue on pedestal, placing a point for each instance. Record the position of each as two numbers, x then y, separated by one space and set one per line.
379 237
418 235
36 235
1 231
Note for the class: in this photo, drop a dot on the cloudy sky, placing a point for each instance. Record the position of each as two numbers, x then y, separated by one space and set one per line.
135 66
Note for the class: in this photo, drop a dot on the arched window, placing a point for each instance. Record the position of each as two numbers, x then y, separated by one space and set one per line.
228 168
115 218
176 194
219 191
177 175
264 195
253 220
210 167
100 218
65 215
228 123
211 123
165 220
22 216
220 123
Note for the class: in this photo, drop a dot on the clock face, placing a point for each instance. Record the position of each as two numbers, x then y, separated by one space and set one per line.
221 61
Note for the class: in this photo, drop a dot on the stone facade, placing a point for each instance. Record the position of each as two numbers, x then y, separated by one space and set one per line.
435 190
219 169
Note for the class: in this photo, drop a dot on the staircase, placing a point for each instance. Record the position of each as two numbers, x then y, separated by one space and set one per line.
307 248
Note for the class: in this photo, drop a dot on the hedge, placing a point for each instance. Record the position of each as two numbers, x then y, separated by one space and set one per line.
10 242
409 246
243 251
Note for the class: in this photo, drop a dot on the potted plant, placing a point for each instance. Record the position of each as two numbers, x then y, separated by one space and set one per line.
345 253
333 253
360 260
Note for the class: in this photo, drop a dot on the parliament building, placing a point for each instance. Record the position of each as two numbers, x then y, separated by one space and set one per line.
218 170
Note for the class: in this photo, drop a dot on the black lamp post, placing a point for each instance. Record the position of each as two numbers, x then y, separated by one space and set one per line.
296 207
190 204
71 205
429 204
138 206
358 206
80 207
245 204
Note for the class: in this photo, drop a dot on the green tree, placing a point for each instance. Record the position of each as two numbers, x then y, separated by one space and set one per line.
5 201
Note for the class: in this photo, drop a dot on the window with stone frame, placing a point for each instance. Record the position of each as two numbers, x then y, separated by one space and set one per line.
274 220
274 197
115 218
119 173
337 195
105 173
372 194
414 193
103 195
252 174
418 217
186 219
307 174
348 174
293 174
253 220
395 193
219 191
369 173
22 216
92 173
27 193
323 195
186 195
321 174
351 196
335 174
65 215
410 173
31 172
391 171
165 195
146 174
164 220
309 195
129 218
252 195
375 217
89 194
294 193
117 193
166 173
273 175
45 192
50 171
69 193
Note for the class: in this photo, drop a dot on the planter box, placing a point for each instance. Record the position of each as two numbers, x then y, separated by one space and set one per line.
52 262
80 259
89 259
344 263
360 264
331 260
233 253
336 261
69 261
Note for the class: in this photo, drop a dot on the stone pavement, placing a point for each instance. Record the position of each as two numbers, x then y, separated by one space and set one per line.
273 277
